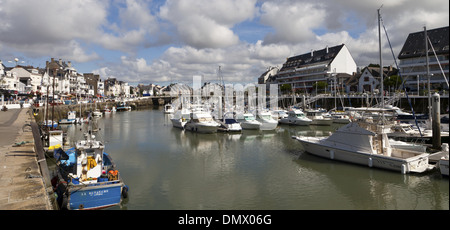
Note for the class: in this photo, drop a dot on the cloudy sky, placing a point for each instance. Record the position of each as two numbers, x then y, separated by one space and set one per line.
163 41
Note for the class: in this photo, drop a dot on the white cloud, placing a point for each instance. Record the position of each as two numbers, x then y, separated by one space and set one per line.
207 24
52 28
293 21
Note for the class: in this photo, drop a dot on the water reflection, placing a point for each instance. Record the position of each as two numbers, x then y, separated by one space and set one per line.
168 168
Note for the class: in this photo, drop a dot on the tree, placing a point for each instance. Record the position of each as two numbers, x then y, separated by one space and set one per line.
392 81
320 85
286 88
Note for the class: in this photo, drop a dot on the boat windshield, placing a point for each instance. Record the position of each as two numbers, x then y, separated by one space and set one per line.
266 117
300 115
249 118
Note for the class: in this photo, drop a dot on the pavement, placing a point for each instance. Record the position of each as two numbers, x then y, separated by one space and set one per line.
21 183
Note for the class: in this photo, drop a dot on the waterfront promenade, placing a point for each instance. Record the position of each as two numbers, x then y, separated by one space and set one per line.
21 183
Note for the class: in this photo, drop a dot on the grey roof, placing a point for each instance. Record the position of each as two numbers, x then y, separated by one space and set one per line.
318 56
415 43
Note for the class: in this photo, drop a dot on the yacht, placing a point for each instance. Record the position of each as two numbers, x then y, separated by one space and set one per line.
180 118
340 118
168 109
97 113
202 122
357 144
278 114
267 121
317 117
248 121
296 117
229 123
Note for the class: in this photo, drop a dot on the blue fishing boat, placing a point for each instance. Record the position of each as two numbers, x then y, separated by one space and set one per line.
87 177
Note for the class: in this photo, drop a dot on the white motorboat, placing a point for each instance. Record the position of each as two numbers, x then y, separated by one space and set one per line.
202 122
71 118
107 110
354 144
443 162
168 109
340 118
296 117
248 121
317 117
229 123
278 114
97 113
267 121
180 118
407 132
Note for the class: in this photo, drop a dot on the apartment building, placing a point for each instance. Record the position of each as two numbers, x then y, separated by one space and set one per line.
413 62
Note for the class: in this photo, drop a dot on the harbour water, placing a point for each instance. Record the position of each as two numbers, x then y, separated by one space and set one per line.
167 168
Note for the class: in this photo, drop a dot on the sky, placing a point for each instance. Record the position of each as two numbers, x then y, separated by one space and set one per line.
170 41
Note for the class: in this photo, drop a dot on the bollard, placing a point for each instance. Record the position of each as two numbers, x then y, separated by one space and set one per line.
436 121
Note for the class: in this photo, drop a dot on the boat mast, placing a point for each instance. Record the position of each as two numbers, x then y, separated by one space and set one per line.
428 71
381 63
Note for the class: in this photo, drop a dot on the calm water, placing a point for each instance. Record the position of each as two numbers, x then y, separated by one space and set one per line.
168 168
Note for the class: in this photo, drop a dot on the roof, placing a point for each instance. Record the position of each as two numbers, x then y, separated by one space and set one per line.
326 55
415 43
375 71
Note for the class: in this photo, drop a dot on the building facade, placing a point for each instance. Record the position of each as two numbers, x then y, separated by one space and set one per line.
302 72
413 62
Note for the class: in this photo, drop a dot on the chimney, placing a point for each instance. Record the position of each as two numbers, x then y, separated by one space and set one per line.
327 49
312 53
69 63
60 61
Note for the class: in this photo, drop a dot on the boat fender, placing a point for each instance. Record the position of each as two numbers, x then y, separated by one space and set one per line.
370 162
125 191
332 154
403 169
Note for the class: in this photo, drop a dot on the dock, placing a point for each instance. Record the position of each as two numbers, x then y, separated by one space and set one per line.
22 184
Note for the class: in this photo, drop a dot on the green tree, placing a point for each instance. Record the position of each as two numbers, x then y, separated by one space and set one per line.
286 88
320 85
392 81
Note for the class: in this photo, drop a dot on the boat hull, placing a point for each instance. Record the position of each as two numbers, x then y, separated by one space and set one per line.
321 122
417 164
295 122
268 125
443 166
95 196
178 123
67 121
250 125
200 128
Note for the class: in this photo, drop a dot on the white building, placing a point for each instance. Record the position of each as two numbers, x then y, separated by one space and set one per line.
304 70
